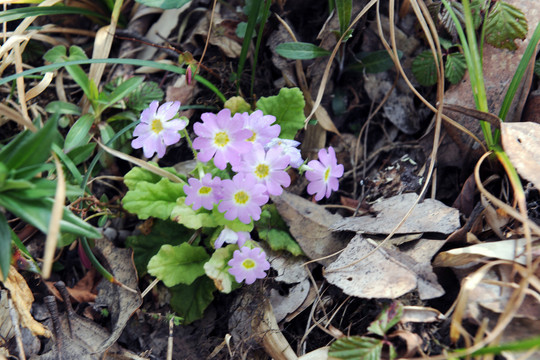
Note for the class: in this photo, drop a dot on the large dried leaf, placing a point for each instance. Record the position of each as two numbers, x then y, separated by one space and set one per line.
309 224
22 298
121 302
429 216
384 273
521 141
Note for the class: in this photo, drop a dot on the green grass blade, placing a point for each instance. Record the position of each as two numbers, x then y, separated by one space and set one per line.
252 21
135 62
21 13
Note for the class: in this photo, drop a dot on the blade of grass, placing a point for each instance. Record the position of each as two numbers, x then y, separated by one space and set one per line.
258 43
136 62
252 21
21 13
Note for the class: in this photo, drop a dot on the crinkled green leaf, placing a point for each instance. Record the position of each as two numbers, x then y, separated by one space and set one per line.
274 231
300 50
455 67
180 264
356 347
5 247
288 108
147 92
138 175
164 4
237 104
192 219
124 89
373 62
153 199
387 319
217 269
234 225
505 24
146 246
190 301
424 68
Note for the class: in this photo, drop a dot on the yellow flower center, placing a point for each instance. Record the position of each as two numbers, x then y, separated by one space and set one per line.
221 139
241 197
248 264
205 190
262 171
252 137
156 126
327 174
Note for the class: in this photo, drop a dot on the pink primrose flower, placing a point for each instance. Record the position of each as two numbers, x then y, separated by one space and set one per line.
323 174
242 198
248 264
268 167
231 237
289 148
221 137
261 128
205 192
157 130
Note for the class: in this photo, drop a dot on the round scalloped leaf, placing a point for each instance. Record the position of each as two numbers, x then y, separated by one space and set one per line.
505 24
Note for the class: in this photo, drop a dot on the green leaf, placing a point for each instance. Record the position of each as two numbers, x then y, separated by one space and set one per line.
505 24
63 108
164 4
79 134
445 43
274 231
141 98
37 212
180 264
153 199
76 53
29 148
387 319
124 89
81 153
373 62
455 67
237 104
56 54
217 269
21 13
300 51
5 247
288 108
537 67
146 246
191 301
356 348
192 219
138 176
234 225
424 68
344 10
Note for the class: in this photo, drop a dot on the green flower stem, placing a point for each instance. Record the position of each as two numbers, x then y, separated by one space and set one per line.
135 62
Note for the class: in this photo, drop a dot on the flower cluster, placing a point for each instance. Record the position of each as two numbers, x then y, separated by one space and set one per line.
250 144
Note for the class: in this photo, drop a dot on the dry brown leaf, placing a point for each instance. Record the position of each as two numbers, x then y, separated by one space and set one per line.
384 273
81 292
421 314
429 216
521 141
309 224
512 250
6 326
120 302
22 298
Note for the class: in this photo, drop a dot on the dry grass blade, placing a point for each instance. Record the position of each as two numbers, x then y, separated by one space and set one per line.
12 114
326 74
56 216
145 165
39 88
20 81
